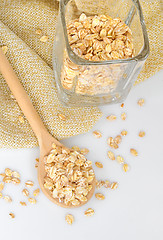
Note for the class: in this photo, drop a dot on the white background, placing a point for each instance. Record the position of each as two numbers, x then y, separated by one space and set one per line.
134 211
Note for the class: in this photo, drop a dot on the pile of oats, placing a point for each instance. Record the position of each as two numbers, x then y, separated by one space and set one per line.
96 38
69 175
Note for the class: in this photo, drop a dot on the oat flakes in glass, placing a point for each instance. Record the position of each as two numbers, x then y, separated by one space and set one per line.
99 50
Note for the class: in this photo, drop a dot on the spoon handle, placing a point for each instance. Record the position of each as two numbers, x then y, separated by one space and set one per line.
22 97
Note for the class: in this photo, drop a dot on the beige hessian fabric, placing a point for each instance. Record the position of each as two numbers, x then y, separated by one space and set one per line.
32 61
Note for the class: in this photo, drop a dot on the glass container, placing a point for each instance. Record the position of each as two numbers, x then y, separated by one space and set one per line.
81 82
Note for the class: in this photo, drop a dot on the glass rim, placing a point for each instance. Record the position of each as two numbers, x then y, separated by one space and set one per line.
143 54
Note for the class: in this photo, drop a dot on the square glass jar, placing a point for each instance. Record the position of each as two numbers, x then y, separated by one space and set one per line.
81 82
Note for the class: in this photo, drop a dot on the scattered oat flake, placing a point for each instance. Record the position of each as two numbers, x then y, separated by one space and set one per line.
21 119
15 174
118 139
7 179
89 212
36 192
97 134
84 151
2 174
4 49
120 159
122 105
7 199
1 186
12 215
141 134
23 203
123 116
38 31
124 133
141 102
111 155
44 39
62 116
99 196
99 184
76 148
125 167
32 200
37 159
114 185
36 165
8 172
29 183
25 192
107 184
110 141
133 152
1 195
111 117
99 164
15 180
69 219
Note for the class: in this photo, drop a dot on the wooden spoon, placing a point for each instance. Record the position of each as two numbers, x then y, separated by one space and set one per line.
45 140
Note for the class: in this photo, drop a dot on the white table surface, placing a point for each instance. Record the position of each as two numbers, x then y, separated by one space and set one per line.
134 211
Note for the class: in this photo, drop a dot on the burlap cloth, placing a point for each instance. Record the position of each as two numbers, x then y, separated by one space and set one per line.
32 61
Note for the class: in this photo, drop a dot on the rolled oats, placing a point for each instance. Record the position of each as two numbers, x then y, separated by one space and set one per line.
7 179
76 148
25 192
99 184
12 215
111 117
111 155
44 39
36 192
7 199
107 184
122 105
141 102
94 39
1 195
29 183
62 116
32 200
124 133
99 164
1 186
84 151
89 212
69 178
8 172
97 134
118 139
141 134
99 196
23 203
125 167
110 141
114 185
69 219
15 180
120 159
123 116
15 174
133 152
